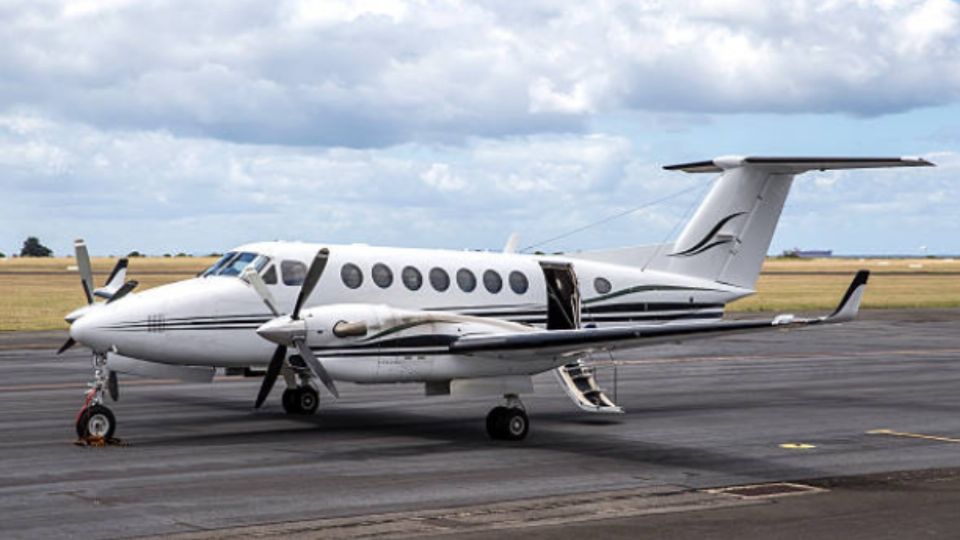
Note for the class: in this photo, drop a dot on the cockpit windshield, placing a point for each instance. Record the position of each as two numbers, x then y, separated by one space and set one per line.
233 262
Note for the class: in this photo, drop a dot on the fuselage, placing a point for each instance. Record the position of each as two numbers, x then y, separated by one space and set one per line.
212 319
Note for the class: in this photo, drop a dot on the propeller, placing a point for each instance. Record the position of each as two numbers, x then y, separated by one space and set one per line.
273 369
70 342
86 281
123 290
291 332
83 266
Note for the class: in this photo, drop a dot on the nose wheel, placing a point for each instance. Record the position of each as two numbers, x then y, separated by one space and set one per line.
95 421
508 423
301 400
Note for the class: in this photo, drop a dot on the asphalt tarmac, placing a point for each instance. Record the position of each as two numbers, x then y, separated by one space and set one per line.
866 398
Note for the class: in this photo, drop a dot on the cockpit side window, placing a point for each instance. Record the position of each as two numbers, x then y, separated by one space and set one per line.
294 272
233 263
237 264
219 264
270 276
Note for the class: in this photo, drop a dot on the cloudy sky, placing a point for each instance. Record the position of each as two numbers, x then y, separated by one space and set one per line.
194 126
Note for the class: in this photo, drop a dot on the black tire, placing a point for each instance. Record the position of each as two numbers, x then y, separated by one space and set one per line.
307 400
304 400
97 422
494 422
514 425
287 399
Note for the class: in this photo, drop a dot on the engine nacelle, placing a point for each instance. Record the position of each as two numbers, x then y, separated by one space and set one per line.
346 325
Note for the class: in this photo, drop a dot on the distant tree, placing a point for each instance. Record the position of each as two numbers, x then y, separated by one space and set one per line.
3 255
182 254
33 248
167 255
133 254
215 254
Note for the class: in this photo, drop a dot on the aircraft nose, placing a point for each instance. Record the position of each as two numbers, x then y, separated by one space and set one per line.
90 330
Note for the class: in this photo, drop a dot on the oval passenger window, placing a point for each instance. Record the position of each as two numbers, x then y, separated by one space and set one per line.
466 280
439 279
382 275
412 279
492 281
602 285
518 282
351 275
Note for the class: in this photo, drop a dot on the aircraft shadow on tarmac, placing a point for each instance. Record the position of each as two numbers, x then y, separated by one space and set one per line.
422 434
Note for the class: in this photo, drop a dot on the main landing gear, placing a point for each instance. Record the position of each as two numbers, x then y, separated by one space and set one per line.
95 422
301 396
302 400
510 422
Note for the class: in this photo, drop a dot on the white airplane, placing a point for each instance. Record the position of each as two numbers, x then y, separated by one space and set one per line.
462 323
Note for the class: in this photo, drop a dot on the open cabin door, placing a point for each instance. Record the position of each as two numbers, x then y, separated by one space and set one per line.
563 296
563 313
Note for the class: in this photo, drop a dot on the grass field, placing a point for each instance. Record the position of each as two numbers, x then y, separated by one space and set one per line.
35 294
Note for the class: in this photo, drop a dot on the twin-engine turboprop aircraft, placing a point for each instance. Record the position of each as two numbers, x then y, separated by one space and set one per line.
461 323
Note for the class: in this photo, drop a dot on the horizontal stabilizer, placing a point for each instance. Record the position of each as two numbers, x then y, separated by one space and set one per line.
798 164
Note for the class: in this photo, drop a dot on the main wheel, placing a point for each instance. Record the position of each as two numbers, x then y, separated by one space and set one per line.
303 400
287 401
97 422
493 421
514 425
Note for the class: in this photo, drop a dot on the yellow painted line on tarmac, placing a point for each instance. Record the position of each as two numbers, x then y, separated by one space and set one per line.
892 433
797 446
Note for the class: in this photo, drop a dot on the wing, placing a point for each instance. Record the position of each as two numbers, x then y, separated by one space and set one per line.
578 342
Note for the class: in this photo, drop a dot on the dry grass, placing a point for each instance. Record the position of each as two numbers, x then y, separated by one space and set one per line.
35 294
818 284
852 265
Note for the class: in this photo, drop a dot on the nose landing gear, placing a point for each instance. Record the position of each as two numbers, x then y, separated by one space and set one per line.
95 422
510 422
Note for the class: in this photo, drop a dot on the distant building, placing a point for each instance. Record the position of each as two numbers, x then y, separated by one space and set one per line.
808 253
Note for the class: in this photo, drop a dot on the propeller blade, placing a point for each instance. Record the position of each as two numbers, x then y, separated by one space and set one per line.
316 366
70 342
313 276
114 281
271 376
113 386
83 266
251 276
122 291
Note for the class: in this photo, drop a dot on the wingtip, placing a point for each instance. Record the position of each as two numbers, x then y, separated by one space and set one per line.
917 161
849 306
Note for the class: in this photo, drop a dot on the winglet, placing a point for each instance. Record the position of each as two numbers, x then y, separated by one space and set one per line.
849 306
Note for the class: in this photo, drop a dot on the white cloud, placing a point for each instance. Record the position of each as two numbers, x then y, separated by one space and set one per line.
374 74
155 191
198 125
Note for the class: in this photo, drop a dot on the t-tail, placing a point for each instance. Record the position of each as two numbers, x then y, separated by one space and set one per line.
728 236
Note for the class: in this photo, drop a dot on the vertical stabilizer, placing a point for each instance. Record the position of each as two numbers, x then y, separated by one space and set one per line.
728 237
